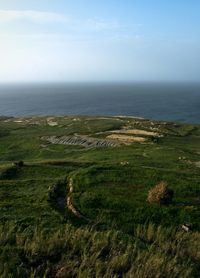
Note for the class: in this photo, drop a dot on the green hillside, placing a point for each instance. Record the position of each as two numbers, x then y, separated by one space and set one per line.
73 197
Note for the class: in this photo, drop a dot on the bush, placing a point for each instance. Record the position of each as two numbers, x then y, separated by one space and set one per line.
160 194
9 173
57 194
19 163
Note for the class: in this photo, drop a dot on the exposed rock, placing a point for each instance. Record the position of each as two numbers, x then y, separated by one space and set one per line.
85 141
187 227
70 204
124 163
52 123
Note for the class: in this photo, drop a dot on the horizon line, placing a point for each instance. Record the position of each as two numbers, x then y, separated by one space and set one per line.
95 81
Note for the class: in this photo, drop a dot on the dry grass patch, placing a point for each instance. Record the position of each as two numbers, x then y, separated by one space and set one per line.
136 132
126 138
160 194
197 164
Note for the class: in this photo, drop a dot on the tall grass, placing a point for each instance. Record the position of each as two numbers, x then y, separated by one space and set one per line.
84 252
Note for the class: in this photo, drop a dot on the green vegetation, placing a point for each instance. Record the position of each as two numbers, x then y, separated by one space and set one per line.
72 211
84 252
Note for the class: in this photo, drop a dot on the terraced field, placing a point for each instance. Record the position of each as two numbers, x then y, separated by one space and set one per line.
73 197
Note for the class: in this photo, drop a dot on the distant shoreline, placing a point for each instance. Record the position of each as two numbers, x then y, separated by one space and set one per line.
19 119
162 102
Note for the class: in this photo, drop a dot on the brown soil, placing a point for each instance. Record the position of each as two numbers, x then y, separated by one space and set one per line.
136 132
126 138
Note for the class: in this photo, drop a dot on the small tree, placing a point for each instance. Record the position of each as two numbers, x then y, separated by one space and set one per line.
160 194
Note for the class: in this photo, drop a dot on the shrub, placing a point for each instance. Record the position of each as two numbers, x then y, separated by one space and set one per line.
160 194
57 194
19 163
9 173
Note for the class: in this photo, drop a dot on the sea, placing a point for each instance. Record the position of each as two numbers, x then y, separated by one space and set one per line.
178 102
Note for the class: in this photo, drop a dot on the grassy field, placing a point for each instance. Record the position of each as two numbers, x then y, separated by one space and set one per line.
110 230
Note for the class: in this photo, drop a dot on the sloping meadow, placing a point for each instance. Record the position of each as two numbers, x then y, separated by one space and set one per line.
120 234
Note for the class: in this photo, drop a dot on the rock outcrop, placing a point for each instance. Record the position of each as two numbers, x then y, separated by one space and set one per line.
79 140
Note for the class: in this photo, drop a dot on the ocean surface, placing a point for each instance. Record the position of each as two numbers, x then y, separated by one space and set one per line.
159 101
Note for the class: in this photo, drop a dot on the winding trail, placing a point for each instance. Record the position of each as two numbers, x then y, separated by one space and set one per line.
70 204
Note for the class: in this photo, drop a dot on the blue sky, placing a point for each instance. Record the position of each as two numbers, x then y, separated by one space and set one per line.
104 40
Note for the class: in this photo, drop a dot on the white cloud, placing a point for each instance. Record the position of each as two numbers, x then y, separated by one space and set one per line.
31 15
91 24
100 25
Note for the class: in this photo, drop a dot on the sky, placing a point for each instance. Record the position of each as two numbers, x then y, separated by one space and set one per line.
99 40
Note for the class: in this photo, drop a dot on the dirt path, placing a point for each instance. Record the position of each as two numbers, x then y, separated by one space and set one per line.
70 204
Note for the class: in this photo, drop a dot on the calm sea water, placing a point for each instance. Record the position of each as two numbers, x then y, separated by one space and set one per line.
174 102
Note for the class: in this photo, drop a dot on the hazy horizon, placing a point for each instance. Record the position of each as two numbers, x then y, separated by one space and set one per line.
99 82
99 41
